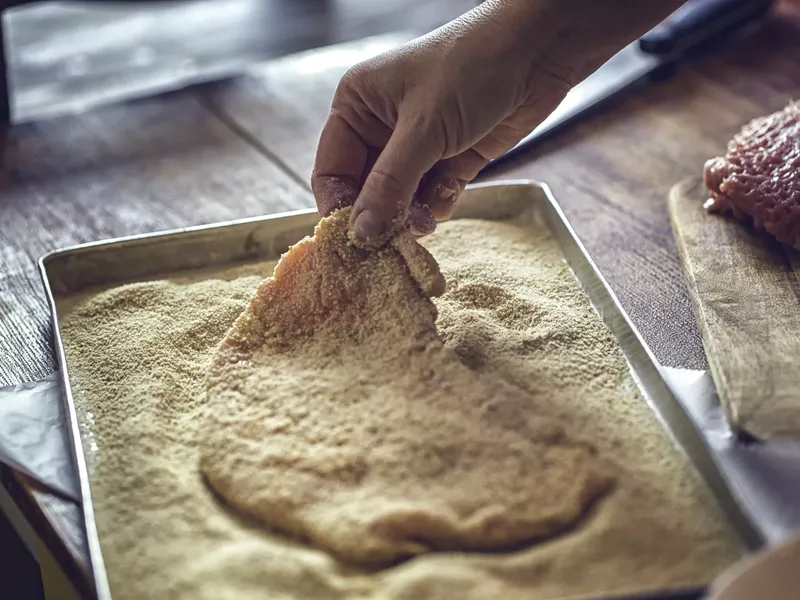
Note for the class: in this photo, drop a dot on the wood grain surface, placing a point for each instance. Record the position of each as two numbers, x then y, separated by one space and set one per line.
246 146
746 296
141 167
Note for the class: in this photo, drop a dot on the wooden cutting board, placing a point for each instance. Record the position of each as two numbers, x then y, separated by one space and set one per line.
746 297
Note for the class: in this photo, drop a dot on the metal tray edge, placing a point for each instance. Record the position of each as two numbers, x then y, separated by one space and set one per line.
97 565
46 258
674 418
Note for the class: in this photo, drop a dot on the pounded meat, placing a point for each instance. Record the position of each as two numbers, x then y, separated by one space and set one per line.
759 178
338 415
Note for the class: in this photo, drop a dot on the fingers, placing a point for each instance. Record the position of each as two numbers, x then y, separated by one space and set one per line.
440 193
343 163
382 184
421 221
447 180
342 157
385 200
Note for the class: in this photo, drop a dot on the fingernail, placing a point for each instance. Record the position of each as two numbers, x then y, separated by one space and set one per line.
444 197
367 225
441 195
444 193
421 221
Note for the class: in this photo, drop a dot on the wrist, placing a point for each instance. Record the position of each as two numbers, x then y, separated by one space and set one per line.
574 37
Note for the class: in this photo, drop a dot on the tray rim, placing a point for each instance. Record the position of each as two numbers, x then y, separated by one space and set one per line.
98 573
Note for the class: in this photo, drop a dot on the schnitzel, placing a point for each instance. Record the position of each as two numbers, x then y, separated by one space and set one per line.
337 415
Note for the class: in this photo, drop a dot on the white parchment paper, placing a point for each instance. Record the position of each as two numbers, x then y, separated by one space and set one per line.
763 478
33 435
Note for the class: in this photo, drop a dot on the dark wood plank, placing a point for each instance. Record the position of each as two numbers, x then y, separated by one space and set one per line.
57 522
19 572
127 169
744 290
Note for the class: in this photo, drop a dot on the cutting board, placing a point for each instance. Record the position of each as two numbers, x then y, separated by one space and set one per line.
746 298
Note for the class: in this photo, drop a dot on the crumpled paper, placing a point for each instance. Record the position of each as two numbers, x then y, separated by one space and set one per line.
34 438
763 478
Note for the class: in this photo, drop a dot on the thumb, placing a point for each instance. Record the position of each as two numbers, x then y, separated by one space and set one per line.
383 204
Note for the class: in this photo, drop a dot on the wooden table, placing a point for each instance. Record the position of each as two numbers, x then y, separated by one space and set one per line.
245 147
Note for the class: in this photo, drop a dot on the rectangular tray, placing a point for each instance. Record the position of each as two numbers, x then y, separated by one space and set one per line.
73 269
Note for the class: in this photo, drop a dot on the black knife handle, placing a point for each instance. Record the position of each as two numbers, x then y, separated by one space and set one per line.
698 21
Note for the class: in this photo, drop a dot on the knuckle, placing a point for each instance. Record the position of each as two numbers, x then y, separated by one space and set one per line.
386 184
559 71
432 126
352 76
351 82
356 72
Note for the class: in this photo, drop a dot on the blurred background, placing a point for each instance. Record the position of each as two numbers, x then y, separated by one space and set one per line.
63 57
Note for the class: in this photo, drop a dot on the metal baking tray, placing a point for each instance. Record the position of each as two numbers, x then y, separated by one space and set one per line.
71 270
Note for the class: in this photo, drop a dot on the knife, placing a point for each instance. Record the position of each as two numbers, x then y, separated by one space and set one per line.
688 31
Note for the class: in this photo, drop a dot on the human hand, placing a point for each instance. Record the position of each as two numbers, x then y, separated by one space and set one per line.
410 128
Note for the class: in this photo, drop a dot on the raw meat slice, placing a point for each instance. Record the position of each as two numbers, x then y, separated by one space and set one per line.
759 178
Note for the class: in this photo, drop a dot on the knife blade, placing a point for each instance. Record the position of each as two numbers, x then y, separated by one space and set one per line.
689 30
